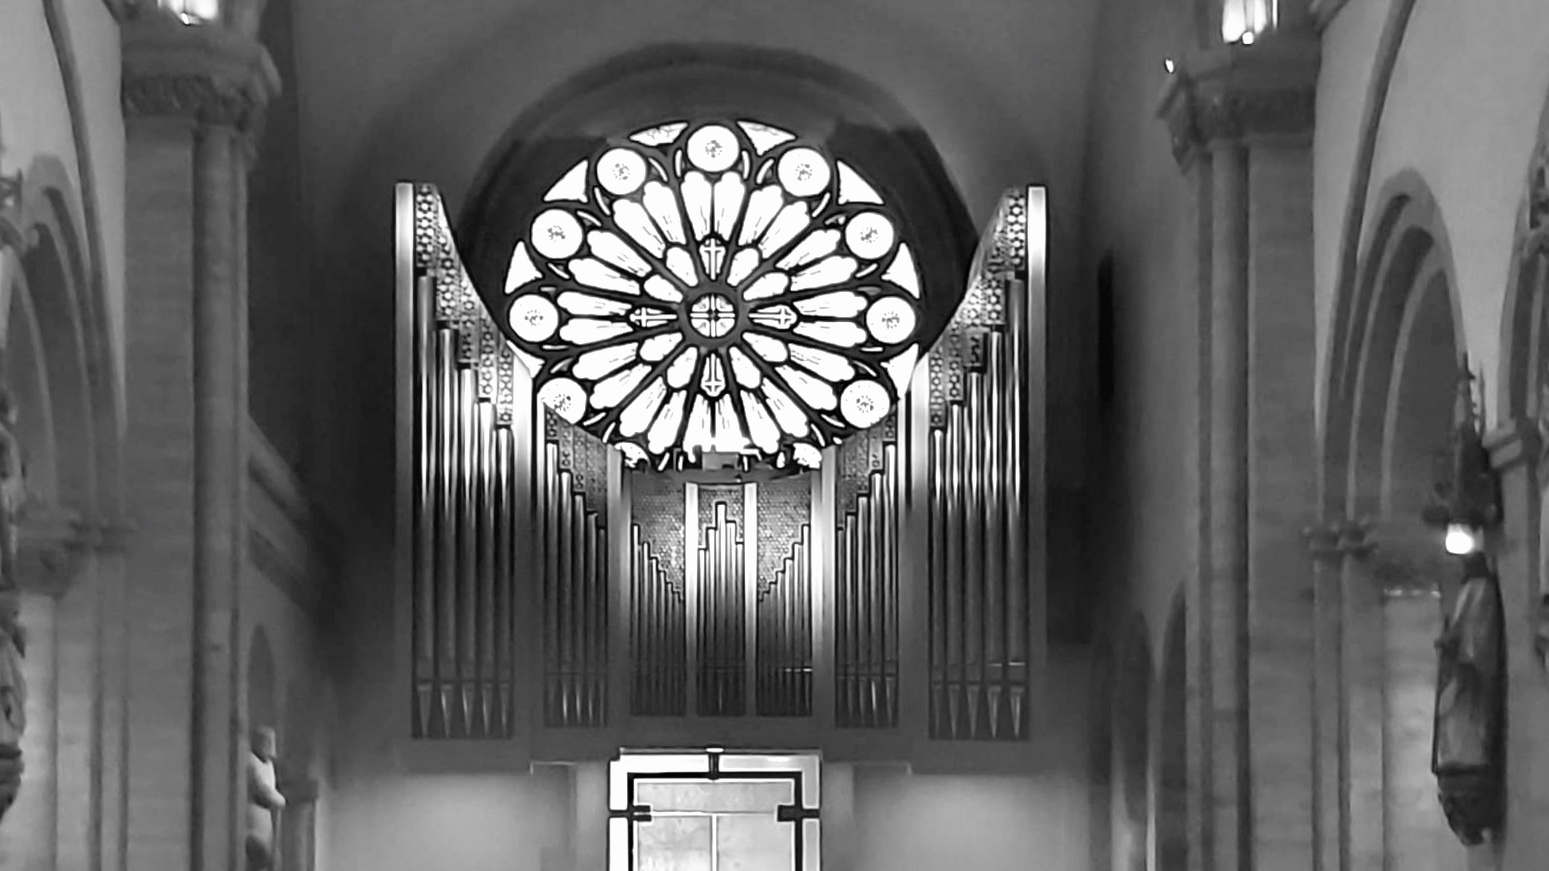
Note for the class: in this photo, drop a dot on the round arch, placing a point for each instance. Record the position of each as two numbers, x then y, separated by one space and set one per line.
69 345
1391 404
1394 336
856 120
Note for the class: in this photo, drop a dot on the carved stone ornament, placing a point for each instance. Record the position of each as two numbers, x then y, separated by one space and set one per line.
52 544
1538 186
210 76
13 697
1242 93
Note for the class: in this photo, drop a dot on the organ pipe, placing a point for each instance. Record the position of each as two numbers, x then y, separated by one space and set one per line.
978 572
465 545
507 494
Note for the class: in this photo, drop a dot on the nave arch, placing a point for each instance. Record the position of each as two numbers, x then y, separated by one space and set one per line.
1393 395
56 365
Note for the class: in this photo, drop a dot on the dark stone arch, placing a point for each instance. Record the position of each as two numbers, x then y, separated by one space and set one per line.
281 304
24 373
1171 800
74 343
856 120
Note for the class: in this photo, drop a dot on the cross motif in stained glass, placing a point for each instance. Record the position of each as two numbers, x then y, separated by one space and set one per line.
719 287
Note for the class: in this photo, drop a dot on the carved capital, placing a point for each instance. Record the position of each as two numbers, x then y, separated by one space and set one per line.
207 76
52 546
1242 94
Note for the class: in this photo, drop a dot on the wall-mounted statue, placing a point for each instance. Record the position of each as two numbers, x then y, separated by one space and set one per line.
1467 751
1541 612
13 644
264 801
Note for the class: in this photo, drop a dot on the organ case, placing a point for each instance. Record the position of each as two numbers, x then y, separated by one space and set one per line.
553 605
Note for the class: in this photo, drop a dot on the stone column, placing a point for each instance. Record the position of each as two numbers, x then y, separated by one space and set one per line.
1332 544
1241 122
193 97
1517 453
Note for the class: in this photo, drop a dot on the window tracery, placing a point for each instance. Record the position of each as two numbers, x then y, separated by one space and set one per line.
715 287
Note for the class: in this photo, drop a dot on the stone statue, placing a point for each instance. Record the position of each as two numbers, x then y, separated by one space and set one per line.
264 801
13 699
13 490
13 642
1467 748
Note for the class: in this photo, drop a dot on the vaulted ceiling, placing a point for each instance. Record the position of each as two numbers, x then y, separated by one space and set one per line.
403 88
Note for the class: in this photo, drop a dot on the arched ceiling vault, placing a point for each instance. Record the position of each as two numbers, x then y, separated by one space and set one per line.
394 89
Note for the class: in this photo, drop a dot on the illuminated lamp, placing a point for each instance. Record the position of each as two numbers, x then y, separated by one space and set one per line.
1465 498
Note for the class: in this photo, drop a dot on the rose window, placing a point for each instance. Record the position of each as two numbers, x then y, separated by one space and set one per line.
719 288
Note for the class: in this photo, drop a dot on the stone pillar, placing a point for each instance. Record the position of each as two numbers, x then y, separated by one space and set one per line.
1241 122
1332 544
1517 453
193 97
1362 672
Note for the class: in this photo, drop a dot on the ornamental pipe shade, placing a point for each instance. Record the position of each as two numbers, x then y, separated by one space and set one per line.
715 288
1466 493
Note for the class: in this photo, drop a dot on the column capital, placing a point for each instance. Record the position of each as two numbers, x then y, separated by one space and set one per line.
206 75
52 543
1242 93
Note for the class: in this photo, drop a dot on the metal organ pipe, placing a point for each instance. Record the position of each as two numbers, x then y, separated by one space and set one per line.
446 576
424 664
995 532
1017 618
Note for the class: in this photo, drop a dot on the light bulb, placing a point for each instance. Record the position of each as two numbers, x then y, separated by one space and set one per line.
1460 540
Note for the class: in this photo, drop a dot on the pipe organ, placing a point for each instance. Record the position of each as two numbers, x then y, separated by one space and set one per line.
556 605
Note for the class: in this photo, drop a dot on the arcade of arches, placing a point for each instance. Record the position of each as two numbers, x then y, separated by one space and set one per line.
567 435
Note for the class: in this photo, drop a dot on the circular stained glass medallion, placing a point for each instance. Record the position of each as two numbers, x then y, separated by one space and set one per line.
721 287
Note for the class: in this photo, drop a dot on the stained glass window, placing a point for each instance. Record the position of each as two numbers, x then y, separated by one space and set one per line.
715 287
